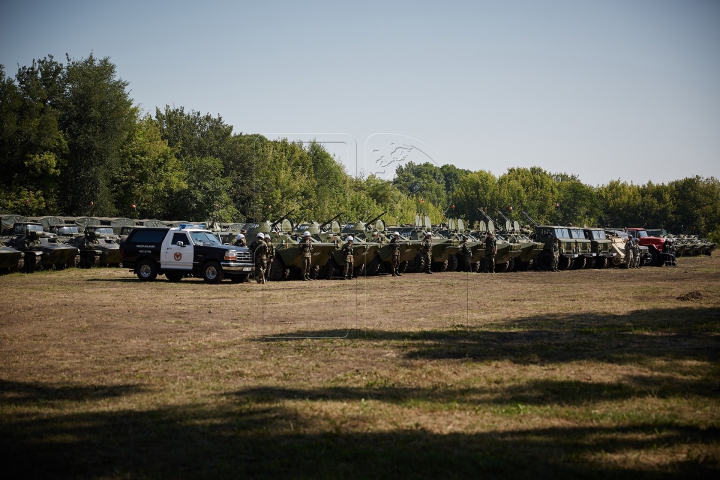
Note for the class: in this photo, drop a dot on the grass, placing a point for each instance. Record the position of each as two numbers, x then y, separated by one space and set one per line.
527 375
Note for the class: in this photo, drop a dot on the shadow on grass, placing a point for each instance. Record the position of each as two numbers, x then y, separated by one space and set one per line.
683 333
238 438
534 392
22 393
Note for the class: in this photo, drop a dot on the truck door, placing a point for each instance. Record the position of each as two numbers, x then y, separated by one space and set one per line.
179 253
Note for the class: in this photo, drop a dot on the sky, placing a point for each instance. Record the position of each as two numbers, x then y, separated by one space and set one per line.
604 90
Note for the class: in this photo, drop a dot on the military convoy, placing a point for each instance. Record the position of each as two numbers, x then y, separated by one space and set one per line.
52 242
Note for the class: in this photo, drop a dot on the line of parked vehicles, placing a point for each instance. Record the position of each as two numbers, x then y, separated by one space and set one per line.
52 242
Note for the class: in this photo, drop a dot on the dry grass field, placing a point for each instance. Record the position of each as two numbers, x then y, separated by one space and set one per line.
524 375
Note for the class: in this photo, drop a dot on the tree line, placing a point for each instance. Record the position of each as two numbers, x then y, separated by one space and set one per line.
73 143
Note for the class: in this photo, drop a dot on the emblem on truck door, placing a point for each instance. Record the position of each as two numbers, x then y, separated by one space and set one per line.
177 256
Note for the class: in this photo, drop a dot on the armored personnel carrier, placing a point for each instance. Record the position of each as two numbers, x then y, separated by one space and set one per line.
10 259
39 252
98 246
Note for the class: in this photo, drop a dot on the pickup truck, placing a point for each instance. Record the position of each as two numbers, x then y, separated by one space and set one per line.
179 252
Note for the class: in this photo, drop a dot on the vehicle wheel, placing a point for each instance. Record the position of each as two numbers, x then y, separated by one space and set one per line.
590 262
373 268
212 272
59 266
419 266
565 263
601 262
511 265
359 271
328 270
314 272
655 258
579 263
544 261
277 269
440 266
146 271
476 266
174 276
453 263
403 266
501 267
522 266
31 262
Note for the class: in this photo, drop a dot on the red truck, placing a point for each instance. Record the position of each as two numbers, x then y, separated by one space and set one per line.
655 245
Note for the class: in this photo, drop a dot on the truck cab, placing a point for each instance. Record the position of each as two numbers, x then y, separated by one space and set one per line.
655 245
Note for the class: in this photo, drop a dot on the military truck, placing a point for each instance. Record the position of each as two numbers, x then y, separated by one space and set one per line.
183 251
601 246
583 246
98 246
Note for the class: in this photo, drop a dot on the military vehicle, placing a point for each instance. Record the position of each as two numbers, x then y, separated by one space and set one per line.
39 252
529 250
507 251
287 263
601 246
546 234
10 259
118 224
618 238
455 231
586 256
7 223
98 246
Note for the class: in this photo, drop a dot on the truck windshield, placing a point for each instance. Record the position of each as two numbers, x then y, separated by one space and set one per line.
576 233
204 238
598 234
67 230
562 233
641 233
104 231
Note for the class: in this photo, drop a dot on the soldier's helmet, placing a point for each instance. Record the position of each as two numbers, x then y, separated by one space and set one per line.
349 238
306 234
267 237
428 234
240 236
261 236
397 234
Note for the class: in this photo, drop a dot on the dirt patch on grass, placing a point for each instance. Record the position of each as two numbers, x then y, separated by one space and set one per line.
694 295
586 372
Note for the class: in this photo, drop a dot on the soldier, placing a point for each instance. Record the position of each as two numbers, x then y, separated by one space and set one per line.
466 252
490 252
555 255
426 248
259 248
270 255
636 253
306 254
378 238
395 249
666 252
628 253
672 254
347 250
240 240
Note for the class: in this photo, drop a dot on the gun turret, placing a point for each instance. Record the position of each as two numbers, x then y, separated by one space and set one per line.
283 217
324 224
485 215
535 224
368 224
503 216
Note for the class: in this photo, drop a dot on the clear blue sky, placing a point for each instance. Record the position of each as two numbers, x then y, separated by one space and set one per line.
605 89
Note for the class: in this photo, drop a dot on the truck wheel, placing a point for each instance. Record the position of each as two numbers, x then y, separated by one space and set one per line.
146 271
373 267
601 262
212 272
419 266
359 271
590 262
579 263
565 263
655 258
453 263
327 271
439 266
544 261
174 276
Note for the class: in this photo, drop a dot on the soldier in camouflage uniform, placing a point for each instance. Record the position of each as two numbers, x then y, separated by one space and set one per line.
555 255
347 251
306 255
466 253
240 240
270 255
490 252
636 253
629 259
426 248
395 249
259 249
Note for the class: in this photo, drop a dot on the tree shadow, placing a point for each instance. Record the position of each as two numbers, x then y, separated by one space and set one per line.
240 438
683 333
28 393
